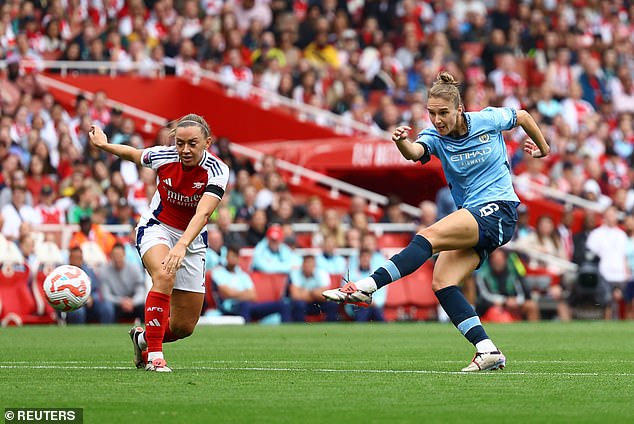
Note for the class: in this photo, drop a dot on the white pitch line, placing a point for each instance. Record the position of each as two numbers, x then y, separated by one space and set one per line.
327 370
296 361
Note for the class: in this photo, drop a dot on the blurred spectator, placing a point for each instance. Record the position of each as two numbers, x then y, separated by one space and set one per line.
332 227
575 110
14 176
545 239
314 210
529 182
216 251
38 178
328 259
237 294
501 287
564 230
357 204
306 285
364 268
609 243
444 202
246 211
580 238
393 213
49 212
223 222
26 244
271 254
265 197
368 242
89 232
628 293
84 203
94 310
115 125
17 212
246 11
123 288
257 228
428 213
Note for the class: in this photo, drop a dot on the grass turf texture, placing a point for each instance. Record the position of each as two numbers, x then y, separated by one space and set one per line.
398 373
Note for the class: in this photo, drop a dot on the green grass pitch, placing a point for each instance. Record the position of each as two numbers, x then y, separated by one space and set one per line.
580 372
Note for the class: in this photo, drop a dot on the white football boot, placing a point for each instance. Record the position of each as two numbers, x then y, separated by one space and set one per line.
349 294
158 365
486 361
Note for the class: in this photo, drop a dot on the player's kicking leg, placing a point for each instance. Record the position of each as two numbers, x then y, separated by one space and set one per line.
403 263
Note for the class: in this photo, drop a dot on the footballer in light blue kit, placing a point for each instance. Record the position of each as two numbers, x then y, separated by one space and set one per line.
473 155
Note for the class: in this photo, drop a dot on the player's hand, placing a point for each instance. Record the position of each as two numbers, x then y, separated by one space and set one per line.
400 133
174 258
97 137
531 148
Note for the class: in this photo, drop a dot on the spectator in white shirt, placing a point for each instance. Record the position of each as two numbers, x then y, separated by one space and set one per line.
17 212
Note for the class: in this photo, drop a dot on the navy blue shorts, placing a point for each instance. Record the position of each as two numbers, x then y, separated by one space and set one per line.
496 225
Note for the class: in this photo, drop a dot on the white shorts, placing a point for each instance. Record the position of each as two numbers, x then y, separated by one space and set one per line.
191 275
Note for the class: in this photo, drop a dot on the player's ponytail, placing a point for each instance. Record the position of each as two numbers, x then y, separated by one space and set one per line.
446 87
191 120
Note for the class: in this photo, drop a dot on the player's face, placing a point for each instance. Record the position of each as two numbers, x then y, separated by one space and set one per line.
191 144
443 114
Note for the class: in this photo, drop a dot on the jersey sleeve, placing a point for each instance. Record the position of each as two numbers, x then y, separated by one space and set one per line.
427 141
217 178
154 157
502 118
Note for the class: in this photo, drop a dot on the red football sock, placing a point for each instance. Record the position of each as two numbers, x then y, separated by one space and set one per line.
169 336
157 309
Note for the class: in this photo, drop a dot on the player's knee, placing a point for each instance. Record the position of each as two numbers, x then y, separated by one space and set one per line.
163 281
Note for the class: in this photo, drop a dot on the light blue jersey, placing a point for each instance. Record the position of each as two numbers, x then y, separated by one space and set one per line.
476 164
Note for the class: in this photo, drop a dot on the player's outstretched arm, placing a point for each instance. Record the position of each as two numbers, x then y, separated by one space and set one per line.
409 150
536 146
100 141
205 208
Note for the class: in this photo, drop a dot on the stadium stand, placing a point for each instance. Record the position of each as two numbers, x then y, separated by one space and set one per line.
55 62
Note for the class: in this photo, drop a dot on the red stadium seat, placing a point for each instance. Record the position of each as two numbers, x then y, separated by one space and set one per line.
244 262
336 281
412 296
393 240
420 293
304 240
18 303
269 287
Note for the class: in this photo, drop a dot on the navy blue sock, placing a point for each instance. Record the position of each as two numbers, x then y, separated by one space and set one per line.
403 263
461 313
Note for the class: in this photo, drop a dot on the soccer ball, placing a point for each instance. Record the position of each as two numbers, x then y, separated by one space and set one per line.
67 288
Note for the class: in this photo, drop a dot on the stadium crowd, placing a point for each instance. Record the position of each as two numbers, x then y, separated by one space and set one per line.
571 63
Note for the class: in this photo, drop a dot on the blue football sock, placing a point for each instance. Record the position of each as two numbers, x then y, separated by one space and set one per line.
403 263
461 313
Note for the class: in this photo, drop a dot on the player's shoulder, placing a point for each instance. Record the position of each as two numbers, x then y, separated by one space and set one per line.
490 112
214 164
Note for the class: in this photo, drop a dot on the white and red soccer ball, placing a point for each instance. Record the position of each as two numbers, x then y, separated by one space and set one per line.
67 288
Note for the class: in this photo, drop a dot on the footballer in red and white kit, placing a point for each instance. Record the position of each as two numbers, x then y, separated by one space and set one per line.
172 236
173 205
